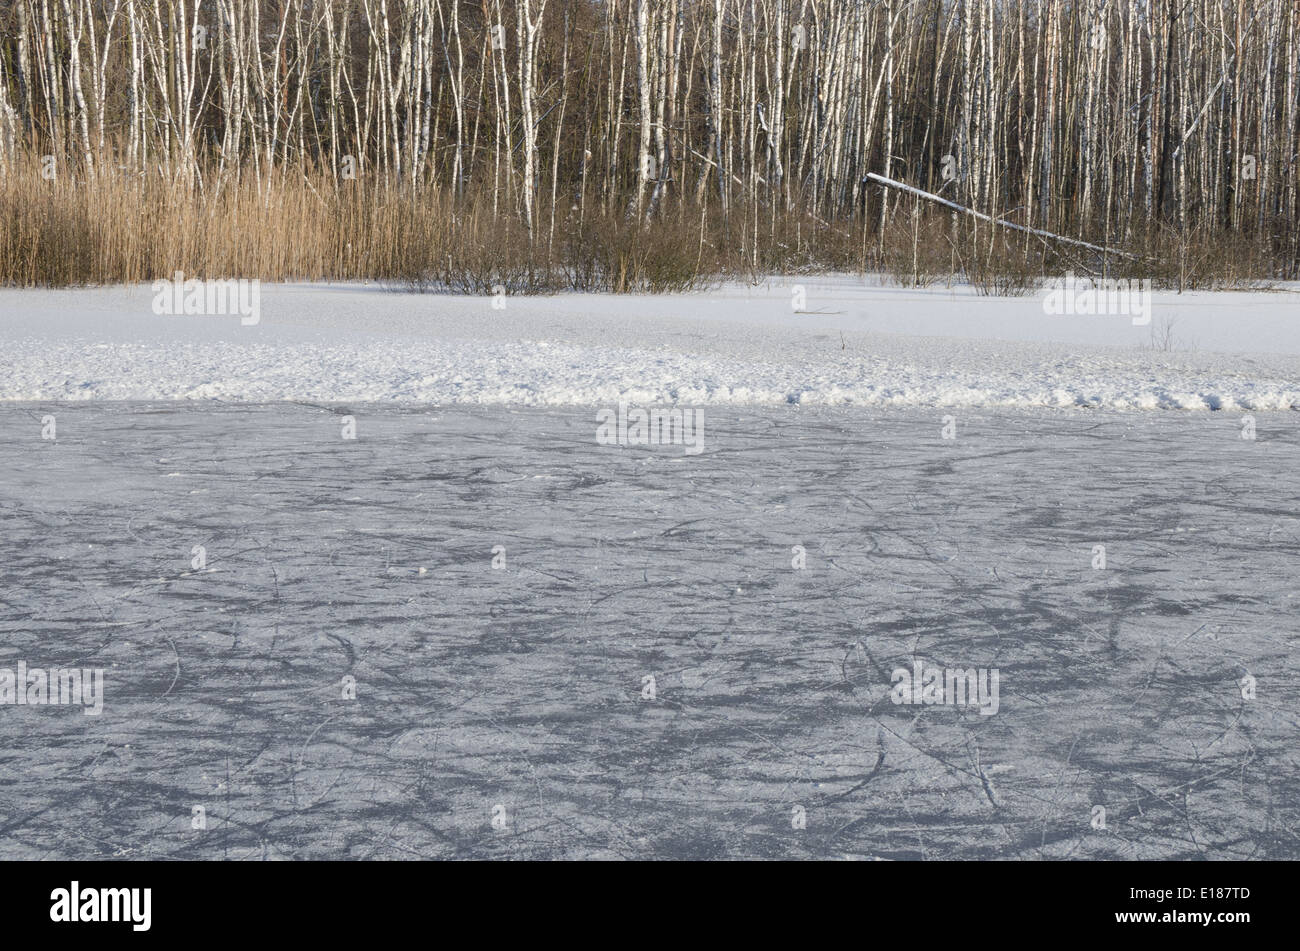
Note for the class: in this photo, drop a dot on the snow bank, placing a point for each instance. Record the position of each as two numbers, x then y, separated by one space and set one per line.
853 342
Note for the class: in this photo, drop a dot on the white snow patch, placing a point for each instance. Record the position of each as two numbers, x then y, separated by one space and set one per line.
867 345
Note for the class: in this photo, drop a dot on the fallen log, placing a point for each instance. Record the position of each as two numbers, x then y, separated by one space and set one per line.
930 196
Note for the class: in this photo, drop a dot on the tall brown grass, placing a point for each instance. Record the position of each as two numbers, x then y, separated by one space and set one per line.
113 228
301 224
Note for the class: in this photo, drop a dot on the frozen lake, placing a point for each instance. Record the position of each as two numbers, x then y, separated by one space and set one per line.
506 711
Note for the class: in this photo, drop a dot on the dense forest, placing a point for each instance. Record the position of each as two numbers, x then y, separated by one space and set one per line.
647 143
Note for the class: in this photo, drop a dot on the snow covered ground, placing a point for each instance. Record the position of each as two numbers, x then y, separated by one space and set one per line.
505 710
854 342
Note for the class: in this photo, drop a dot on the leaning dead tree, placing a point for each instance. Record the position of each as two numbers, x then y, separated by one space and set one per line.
995 222
1105 121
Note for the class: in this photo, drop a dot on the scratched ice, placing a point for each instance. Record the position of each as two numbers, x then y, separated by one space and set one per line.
520 693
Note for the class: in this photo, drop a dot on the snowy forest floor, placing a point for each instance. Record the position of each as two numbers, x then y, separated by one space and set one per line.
519 693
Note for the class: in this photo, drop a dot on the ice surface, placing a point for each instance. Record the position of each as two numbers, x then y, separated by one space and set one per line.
854 342
521 688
